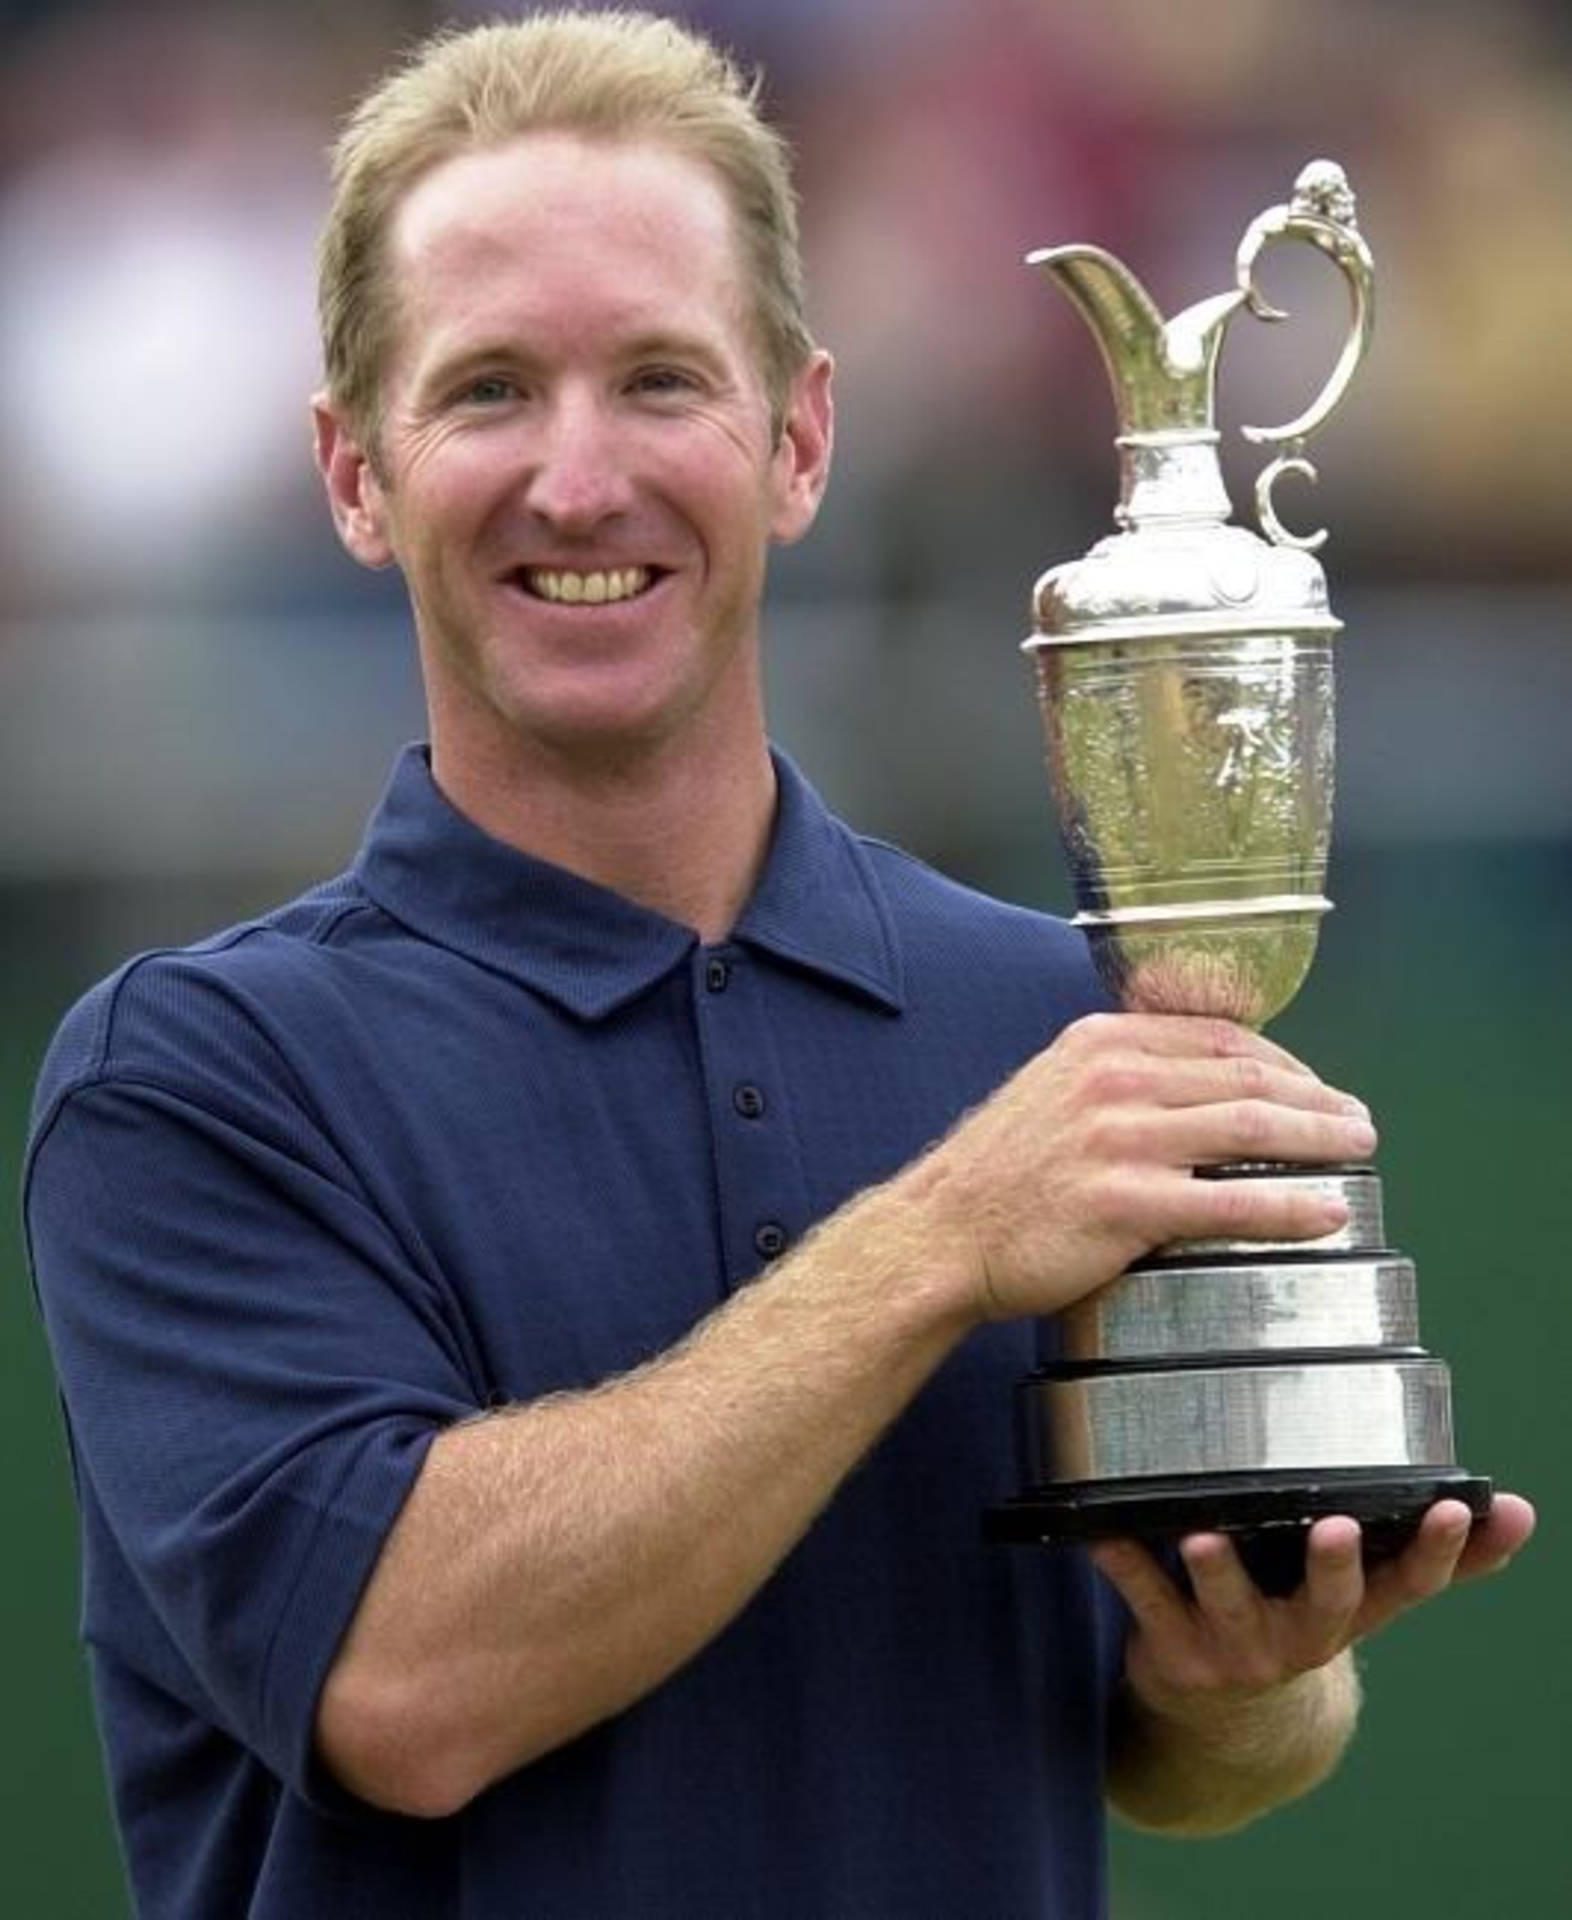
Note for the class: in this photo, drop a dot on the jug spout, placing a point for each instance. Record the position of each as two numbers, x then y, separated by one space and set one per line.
1163 371
1163 374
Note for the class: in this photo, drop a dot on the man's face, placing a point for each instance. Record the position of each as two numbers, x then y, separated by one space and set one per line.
576 468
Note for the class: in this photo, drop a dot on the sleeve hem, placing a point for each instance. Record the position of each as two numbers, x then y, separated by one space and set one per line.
339 1561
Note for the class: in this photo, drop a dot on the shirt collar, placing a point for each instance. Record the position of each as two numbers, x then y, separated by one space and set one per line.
818 904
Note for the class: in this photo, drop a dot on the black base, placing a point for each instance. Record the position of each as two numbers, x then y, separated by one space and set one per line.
1270 1514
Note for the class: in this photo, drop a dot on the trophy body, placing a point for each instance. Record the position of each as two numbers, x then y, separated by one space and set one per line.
1185 679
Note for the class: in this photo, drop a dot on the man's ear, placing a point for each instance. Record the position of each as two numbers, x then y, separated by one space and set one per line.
802 454
354 492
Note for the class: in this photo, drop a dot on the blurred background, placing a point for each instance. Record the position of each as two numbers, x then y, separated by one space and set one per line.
200 696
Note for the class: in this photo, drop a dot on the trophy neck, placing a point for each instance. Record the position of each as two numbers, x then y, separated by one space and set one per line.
1171 479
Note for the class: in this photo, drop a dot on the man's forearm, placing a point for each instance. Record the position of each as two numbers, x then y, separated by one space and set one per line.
1205 1763
556 1561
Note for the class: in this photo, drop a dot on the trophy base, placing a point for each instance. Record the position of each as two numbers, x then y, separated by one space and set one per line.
1269 1514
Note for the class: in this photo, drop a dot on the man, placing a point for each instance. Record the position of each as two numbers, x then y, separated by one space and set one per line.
532 1374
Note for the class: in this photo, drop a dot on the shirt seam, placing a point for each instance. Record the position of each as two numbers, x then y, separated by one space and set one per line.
102 1078
105 1018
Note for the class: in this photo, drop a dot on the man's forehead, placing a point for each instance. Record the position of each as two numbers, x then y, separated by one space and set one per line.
554 230
558 187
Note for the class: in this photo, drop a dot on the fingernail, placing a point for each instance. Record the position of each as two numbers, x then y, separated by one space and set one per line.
1344 1544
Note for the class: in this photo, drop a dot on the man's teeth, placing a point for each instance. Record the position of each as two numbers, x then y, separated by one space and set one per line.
555 583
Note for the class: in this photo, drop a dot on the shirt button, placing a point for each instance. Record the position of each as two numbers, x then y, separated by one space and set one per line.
748 1101
769 1239
716 974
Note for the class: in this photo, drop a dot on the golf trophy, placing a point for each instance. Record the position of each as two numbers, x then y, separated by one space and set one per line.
1184 676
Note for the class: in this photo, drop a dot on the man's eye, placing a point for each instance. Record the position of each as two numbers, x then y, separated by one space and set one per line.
488 390
659 380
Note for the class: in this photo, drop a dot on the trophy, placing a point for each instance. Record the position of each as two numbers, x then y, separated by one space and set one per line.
1184 676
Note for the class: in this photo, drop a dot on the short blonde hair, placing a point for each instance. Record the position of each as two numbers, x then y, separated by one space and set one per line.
611 75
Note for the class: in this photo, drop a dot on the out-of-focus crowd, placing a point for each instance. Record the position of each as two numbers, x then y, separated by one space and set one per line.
162 177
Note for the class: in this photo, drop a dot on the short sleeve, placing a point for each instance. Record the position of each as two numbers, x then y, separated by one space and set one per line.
252 1368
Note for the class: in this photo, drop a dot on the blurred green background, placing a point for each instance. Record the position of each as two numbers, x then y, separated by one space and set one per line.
199 695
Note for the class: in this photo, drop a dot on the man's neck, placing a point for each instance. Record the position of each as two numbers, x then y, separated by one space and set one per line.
683 832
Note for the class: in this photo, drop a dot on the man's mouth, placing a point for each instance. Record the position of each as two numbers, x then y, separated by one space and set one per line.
597 588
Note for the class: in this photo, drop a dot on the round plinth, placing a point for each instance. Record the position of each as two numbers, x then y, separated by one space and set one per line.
1267 1514
1239 1307
1246 1387
1303 1413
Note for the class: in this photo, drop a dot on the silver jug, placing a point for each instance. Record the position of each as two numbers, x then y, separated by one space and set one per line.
1185 679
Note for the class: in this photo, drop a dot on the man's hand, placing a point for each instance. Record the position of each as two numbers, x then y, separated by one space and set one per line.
1236 1701
1085 1159
1226 1635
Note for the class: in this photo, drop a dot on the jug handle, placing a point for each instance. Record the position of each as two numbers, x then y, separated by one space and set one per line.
1321 211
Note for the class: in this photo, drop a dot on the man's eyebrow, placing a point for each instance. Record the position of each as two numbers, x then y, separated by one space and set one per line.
670 344
445 368
448 368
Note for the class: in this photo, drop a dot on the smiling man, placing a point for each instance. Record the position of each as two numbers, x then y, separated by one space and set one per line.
536 1315
579 467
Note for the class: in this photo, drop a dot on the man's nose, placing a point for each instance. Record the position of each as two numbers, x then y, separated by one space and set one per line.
578 477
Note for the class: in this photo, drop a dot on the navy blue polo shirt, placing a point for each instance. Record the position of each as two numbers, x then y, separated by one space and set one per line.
459 1128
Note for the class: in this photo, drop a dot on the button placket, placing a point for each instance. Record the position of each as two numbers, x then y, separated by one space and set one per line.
759 1184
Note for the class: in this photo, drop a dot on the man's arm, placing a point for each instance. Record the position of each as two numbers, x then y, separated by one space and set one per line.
1218 1761
555 1562
1234 1702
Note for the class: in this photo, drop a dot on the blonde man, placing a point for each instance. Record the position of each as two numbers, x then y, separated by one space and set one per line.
531 1376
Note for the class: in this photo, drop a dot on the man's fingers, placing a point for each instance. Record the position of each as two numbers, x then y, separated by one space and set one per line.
1423 1569
1160 1610
1189 1101
1223 1590
1493 1540
1265 1130
1189 1035
1183 1081
1225 1634
1333 1590
1254 1209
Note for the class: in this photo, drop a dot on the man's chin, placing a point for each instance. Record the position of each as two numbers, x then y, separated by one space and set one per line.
586 736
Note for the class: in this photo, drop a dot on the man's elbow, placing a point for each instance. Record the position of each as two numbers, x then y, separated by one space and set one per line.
381 1739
